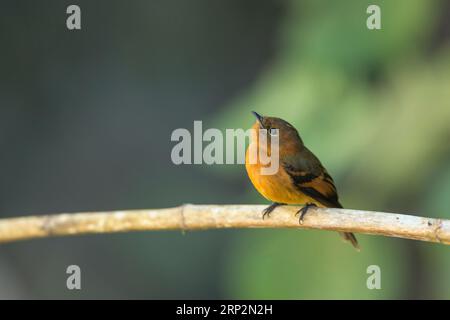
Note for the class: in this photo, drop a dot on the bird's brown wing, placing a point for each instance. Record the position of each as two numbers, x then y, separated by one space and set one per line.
311 178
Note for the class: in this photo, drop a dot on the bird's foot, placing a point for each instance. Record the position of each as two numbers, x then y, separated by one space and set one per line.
303 211
269 209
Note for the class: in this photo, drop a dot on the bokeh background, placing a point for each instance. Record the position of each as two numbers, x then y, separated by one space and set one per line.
86 118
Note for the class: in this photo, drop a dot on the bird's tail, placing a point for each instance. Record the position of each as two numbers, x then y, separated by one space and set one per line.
350 237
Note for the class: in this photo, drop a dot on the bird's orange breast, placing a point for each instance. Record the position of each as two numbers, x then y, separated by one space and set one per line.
277 187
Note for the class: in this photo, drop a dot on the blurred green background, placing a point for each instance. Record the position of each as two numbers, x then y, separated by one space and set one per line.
86 118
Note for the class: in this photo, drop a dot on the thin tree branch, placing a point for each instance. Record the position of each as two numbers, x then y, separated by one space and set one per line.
193 217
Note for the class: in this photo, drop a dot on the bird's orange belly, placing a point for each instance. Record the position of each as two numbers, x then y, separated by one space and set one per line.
276 188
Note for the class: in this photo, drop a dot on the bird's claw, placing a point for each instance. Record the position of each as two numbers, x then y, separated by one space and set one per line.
266 212
269 209
302 212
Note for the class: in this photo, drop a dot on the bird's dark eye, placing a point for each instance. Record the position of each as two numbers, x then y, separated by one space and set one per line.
273 131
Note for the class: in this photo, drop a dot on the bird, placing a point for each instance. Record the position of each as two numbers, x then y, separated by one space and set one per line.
301 179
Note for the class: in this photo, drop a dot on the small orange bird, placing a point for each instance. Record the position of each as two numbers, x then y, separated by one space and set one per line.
300 179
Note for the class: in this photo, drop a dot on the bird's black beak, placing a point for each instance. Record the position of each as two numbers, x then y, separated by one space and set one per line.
259 118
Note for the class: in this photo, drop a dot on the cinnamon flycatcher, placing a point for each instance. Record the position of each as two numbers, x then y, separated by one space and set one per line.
300 179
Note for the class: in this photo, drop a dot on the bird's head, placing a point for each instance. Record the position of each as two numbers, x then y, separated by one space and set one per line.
287 134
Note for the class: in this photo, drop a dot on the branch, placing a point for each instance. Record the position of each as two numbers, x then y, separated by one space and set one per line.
193 217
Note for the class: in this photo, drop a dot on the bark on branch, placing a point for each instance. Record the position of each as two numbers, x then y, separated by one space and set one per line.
193 217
